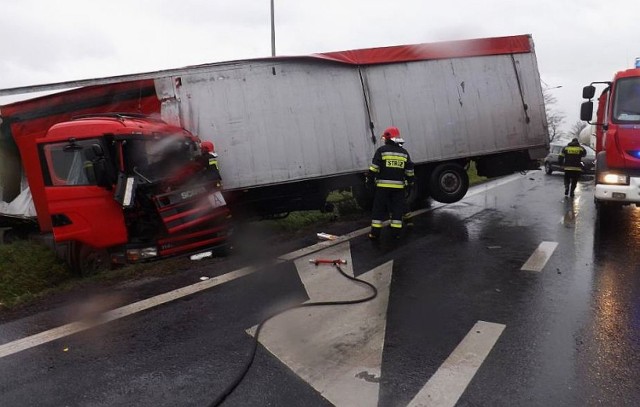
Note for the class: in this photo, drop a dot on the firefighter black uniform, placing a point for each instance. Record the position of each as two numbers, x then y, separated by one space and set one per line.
210 162
391 171
571 159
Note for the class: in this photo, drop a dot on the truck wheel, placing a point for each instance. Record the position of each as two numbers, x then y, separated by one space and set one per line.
547 168
88 261
448 182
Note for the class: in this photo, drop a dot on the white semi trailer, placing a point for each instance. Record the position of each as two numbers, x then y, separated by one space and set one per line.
289 130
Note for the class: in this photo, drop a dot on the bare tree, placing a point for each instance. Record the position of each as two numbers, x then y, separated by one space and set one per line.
555 117
576 128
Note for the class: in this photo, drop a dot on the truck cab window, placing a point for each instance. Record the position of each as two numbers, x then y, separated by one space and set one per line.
626 106
67 165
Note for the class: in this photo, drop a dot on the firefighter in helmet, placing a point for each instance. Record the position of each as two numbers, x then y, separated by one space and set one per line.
571 159
391 172
210 162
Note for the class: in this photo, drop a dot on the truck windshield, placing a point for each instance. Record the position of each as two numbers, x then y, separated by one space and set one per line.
157 158
626 106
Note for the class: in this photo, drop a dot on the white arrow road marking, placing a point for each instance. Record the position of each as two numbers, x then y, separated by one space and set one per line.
449 382
336 349
540 256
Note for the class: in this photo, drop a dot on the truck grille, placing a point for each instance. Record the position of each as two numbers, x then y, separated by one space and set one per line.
192 220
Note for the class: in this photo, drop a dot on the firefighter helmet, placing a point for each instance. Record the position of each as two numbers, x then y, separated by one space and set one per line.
206 147
392 134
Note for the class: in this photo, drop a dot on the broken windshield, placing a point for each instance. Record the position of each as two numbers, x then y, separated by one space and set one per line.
159 157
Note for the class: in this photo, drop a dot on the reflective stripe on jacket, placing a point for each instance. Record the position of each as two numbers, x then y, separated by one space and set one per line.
392 166
571 157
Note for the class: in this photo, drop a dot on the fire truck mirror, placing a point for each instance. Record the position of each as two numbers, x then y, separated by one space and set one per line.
586 111
588 92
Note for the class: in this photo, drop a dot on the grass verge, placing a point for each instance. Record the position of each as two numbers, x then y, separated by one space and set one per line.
30 270
27 270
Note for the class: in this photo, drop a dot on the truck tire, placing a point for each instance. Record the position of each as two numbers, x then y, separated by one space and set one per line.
87 261
448 182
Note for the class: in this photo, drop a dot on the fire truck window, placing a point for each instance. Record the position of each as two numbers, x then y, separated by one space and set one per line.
627 103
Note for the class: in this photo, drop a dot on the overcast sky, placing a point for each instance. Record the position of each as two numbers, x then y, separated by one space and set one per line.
47 41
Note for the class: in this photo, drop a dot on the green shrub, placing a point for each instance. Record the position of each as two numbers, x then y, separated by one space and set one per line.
26 270
474 178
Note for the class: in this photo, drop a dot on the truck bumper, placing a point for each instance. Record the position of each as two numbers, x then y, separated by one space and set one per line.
625 194
215 240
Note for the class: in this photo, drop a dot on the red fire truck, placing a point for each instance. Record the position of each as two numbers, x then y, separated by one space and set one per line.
617 124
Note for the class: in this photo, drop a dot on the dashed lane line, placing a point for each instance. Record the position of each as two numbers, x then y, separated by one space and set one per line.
540 257
448 383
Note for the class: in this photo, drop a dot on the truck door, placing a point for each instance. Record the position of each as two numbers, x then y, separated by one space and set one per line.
80 209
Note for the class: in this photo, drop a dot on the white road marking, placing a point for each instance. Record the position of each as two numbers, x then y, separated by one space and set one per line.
336 349
540 256
449 382
79 326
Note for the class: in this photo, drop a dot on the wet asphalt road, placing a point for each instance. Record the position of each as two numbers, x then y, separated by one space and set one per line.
571 337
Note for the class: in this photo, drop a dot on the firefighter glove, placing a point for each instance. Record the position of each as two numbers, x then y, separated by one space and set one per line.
369 182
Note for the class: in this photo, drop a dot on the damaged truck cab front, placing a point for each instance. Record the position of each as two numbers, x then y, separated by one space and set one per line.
122 189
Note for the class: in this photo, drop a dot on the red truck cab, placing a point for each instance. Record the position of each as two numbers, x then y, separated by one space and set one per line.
617 139
122 188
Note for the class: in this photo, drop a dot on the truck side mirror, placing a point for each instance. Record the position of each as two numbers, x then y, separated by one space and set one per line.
125 190
586 111
588 92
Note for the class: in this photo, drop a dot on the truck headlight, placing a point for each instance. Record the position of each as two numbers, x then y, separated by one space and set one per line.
134 255
614 179
148 252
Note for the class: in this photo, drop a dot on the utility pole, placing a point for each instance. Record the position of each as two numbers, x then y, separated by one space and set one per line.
273 32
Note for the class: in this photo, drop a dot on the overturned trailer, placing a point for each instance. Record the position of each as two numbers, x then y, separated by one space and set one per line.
291 129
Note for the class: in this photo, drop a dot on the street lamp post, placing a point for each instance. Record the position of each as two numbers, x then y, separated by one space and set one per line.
273 32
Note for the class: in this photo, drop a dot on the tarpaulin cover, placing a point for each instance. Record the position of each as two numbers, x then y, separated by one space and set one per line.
21 205
435 50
